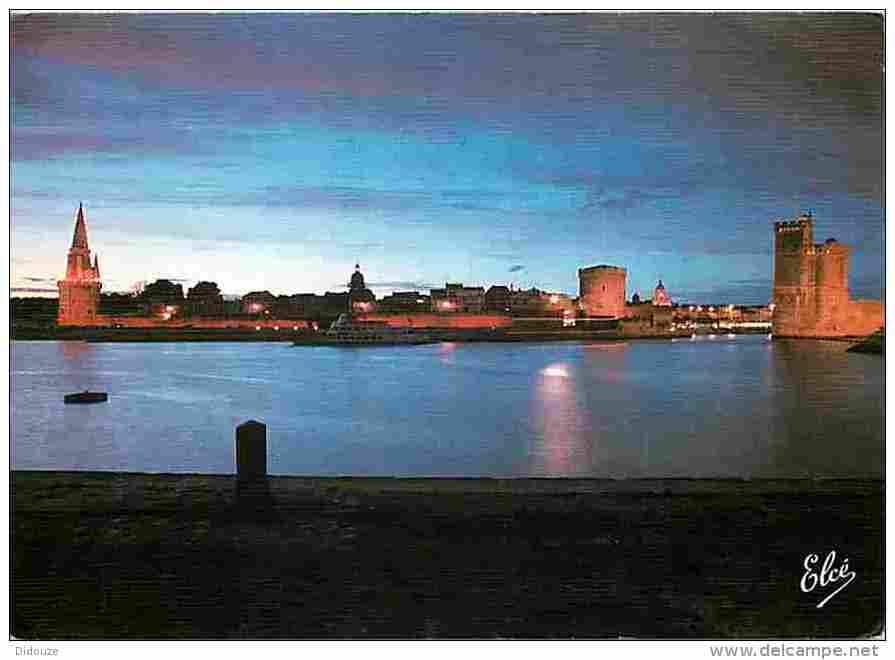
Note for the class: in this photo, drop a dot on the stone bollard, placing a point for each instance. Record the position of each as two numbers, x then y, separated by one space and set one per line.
251 451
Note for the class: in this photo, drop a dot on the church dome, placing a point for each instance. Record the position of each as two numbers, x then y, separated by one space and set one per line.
660 296
357 280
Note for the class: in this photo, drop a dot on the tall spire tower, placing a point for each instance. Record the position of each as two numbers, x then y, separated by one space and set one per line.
79 291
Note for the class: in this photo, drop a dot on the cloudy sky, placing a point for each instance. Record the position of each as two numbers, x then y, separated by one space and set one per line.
272 151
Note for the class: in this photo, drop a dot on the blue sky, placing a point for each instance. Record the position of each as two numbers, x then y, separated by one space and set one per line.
272 151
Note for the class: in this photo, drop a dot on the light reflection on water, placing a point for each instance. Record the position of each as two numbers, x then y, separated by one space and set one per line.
561 425
741 407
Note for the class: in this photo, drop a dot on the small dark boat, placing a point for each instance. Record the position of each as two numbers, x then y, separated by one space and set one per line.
86 397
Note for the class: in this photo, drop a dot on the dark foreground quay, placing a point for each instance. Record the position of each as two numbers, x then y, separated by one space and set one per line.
133 556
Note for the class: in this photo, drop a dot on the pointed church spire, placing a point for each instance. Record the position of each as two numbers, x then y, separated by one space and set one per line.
96 267
80 237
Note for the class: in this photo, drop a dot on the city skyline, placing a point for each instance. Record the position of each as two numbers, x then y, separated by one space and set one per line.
272 152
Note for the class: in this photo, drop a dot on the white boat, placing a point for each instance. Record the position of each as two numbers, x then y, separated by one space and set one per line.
350 331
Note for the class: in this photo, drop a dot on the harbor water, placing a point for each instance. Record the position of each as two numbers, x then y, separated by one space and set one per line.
720 406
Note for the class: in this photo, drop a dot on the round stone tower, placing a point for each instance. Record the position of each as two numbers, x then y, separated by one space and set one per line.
601 290
831 287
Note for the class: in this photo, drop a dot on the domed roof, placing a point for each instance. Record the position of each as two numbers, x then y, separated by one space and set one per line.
660 296
357 280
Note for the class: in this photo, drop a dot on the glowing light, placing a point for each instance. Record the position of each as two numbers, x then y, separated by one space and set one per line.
554 299
711 309
276 327
166 316
295 327
556 371
257 327
169 309
692 308
772 307
699 308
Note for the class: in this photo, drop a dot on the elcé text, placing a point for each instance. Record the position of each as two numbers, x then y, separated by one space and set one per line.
828 574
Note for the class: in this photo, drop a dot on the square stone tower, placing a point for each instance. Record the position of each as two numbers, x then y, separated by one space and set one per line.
811 286
794 276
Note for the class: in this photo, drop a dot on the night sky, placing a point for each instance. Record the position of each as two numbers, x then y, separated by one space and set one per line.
272 151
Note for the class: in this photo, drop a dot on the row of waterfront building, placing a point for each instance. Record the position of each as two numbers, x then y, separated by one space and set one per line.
810 297
602 296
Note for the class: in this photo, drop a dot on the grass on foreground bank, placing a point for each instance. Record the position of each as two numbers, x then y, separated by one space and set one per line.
875 343
135 556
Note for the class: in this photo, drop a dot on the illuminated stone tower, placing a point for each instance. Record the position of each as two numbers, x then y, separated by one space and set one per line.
79 291
601 290
794 276
811 285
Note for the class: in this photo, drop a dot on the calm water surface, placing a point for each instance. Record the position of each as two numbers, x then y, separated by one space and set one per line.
723 407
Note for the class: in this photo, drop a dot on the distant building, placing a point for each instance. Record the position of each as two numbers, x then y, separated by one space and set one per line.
458 298
406 301
285 307
119 304
335 303
536 303
497 299
602 291
360 297
258 302
232 306
79 291
721 315
205 299
33 312
162 299
307 305
661 297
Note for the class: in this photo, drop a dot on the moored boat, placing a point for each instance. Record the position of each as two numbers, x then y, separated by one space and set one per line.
349 331
86 397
